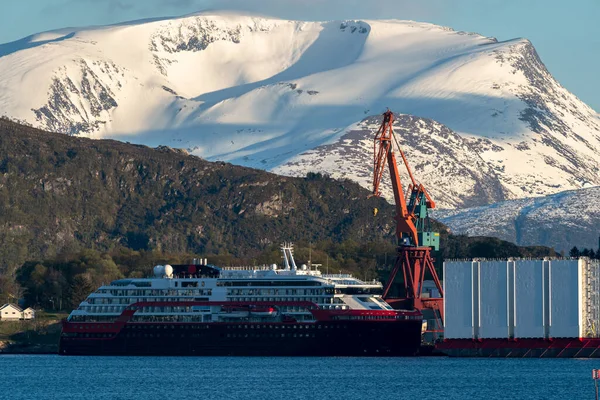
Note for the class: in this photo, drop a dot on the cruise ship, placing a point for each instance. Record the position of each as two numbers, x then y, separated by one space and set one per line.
201 309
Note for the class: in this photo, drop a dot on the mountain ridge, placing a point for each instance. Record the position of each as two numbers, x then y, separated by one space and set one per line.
270 94
561 220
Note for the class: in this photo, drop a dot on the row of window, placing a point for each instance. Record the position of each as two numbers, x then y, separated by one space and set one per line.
274 326
88 335
270 335
266 292
305 317
88 327
128 300
266 283
172 318
102 309
92 318
172 309
302 327
317 300
373 317
156 292
152 335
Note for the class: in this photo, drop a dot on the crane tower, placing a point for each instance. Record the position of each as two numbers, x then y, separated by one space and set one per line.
413 231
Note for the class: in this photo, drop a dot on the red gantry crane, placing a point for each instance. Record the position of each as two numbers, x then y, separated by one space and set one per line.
413 231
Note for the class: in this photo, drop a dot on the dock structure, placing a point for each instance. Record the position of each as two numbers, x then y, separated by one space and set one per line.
522 308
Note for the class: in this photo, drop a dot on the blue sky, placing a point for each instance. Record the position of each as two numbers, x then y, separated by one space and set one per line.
565 33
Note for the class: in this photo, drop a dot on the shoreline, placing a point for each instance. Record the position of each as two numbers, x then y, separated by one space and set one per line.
28 348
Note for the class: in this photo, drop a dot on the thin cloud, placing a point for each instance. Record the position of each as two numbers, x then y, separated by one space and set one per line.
108 6
331 9
288 9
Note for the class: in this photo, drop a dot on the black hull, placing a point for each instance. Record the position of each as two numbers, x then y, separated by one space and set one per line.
351 338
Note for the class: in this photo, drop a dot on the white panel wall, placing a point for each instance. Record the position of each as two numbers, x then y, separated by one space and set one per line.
529 299
458 301
520 298
564 298
493 299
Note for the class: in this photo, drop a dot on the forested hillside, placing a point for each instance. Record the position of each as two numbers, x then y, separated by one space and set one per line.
62 193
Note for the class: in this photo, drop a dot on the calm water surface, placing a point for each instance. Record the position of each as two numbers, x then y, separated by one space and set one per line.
167 378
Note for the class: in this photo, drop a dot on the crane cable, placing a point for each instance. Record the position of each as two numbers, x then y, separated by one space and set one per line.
412 178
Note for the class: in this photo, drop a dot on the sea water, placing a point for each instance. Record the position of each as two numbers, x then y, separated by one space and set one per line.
168 378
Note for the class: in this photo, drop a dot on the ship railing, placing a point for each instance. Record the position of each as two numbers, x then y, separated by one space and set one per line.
353 280
247 268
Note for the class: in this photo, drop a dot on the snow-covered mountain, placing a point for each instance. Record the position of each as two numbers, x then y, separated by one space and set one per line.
562 220
483 121
437 154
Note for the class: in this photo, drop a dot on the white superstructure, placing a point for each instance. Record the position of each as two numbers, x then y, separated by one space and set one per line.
230 293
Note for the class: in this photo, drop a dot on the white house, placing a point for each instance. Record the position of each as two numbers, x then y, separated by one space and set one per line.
10 312
29 313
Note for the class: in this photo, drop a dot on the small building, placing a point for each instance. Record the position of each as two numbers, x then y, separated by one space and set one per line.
29 313
11 312
430 289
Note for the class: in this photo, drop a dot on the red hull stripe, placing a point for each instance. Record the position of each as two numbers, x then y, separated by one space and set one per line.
319 314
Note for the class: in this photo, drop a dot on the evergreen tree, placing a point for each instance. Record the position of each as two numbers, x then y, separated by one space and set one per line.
574 252
586 253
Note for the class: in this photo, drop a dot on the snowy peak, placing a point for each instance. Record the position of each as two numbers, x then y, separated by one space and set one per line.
197 33
482 121
437 156
215 60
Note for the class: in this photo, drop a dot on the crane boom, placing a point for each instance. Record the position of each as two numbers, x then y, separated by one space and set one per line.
384 152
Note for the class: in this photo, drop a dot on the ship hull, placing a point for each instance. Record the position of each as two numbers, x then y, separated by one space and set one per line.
522 348
331 338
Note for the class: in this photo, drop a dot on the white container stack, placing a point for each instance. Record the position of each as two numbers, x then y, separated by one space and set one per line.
564 317
529 295
495 299
458 300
